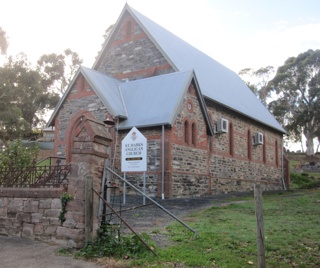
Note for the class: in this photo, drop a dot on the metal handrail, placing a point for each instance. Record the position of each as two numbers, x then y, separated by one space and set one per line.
119 216
154 202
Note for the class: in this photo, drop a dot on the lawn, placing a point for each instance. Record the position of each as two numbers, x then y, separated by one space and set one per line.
227 235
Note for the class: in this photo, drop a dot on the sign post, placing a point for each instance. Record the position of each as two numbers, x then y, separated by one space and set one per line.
134 154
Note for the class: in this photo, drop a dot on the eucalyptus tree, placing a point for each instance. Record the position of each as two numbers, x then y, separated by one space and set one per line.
57 70
297 106
257 81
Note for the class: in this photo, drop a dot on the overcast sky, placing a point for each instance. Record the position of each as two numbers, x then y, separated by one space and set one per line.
237 33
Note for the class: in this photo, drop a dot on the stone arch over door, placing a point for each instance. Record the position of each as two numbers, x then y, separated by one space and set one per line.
73 129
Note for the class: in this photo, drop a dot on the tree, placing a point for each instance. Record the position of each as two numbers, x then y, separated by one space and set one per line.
22 98
257 81
27 93
3 42
297 85
57 70
108 31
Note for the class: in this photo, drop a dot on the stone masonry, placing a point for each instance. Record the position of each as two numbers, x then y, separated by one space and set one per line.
195 163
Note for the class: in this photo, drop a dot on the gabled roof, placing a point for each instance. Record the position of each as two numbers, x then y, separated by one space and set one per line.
153 101
156 100
217 82
105 87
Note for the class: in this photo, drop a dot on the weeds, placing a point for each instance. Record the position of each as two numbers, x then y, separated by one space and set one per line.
65 198
111 244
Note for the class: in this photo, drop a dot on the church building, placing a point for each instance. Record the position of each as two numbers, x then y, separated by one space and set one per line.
206 131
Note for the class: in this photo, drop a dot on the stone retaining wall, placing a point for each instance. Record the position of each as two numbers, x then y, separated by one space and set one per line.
34 214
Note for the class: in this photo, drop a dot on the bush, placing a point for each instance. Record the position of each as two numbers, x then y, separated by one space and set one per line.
15 154
111 244
303 181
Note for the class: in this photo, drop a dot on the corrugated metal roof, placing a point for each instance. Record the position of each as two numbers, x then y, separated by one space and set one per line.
155 100
147 102
216 81
107 88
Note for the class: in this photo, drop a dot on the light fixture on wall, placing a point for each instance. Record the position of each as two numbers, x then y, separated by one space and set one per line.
109 122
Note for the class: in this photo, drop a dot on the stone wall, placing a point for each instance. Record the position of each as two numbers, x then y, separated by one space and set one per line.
132 55
30 213
205 165
34 213
237 169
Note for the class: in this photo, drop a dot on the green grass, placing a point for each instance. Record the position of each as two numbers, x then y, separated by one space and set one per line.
293 163
305 180
227 235
45 162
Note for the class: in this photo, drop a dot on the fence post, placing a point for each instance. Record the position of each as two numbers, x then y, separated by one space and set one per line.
260 230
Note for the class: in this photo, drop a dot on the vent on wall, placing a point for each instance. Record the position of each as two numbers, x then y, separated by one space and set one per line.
258 138
221 126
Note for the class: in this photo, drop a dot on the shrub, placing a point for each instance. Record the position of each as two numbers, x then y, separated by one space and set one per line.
111 244
303 181
15 154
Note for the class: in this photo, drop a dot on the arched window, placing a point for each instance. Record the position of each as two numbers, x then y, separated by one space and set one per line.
249 145
186 131
277 153
129 29
264 150
193 133
231 140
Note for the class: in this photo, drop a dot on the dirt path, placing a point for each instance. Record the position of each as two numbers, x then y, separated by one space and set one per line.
20 252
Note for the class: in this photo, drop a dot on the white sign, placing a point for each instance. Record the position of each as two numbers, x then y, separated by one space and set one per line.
134 152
